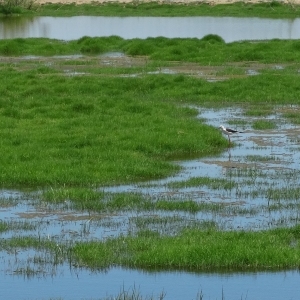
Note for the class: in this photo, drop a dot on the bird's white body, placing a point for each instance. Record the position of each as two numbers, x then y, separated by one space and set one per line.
227 131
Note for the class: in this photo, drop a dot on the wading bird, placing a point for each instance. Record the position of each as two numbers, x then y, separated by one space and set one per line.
229 132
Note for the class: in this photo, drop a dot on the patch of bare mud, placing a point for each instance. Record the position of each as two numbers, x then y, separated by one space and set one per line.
61 216
78 65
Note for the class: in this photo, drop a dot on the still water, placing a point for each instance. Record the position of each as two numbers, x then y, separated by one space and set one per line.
72 28
175 285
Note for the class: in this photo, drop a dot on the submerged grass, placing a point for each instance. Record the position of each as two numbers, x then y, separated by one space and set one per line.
88 200
294 117
283 194
17 226
263 125
3 226
213 183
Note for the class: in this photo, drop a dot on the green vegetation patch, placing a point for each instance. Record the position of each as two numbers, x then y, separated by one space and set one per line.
87 200
17 226
285 193
109 127
294 117
198 250
89 130
213 183
210 50
272 9
3 226
263 125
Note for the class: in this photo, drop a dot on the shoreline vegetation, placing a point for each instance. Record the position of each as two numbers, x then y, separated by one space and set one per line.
268 9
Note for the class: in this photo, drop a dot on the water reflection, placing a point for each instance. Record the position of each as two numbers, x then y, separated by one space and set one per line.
229 28
84 284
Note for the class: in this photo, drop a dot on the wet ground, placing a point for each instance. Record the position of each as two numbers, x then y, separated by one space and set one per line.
79 65
260 191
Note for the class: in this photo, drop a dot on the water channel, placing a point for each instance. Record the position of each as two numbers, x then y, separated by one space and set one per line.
229 28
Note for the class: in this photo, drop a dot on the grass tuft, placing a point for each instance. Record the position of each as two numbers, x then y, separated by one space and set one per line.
263 125
197 250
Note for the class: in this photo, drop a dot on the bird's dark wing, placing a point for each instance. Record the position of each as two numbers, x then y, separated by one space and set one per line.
231 130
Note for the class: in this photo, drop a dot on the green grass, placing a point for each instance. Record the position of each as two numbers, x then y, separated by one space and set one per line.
3 226
210 50
213 183
197 250
66 135
121 132
106 128
283 194
272 9
88 200
258 111
238 122
294 117
259 158
263 125
17 226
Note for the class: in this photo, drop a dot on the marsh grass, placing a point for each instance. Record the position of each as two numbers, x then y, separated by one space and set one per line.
238 122
210 50
263 124
198 250
126 129
258 112
134 294
68 135
92 201
3 226
273 9
213 183
294 117
120 133
283 194
260 158
170 225
17 226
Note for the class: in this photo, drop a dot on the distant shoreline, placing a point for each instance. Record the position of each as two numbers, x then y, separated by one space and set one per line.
212 2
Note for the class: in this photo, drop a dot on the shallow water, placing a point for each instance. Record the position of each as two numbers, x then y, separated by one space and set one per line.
262 162
83 284
259 162
229 28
